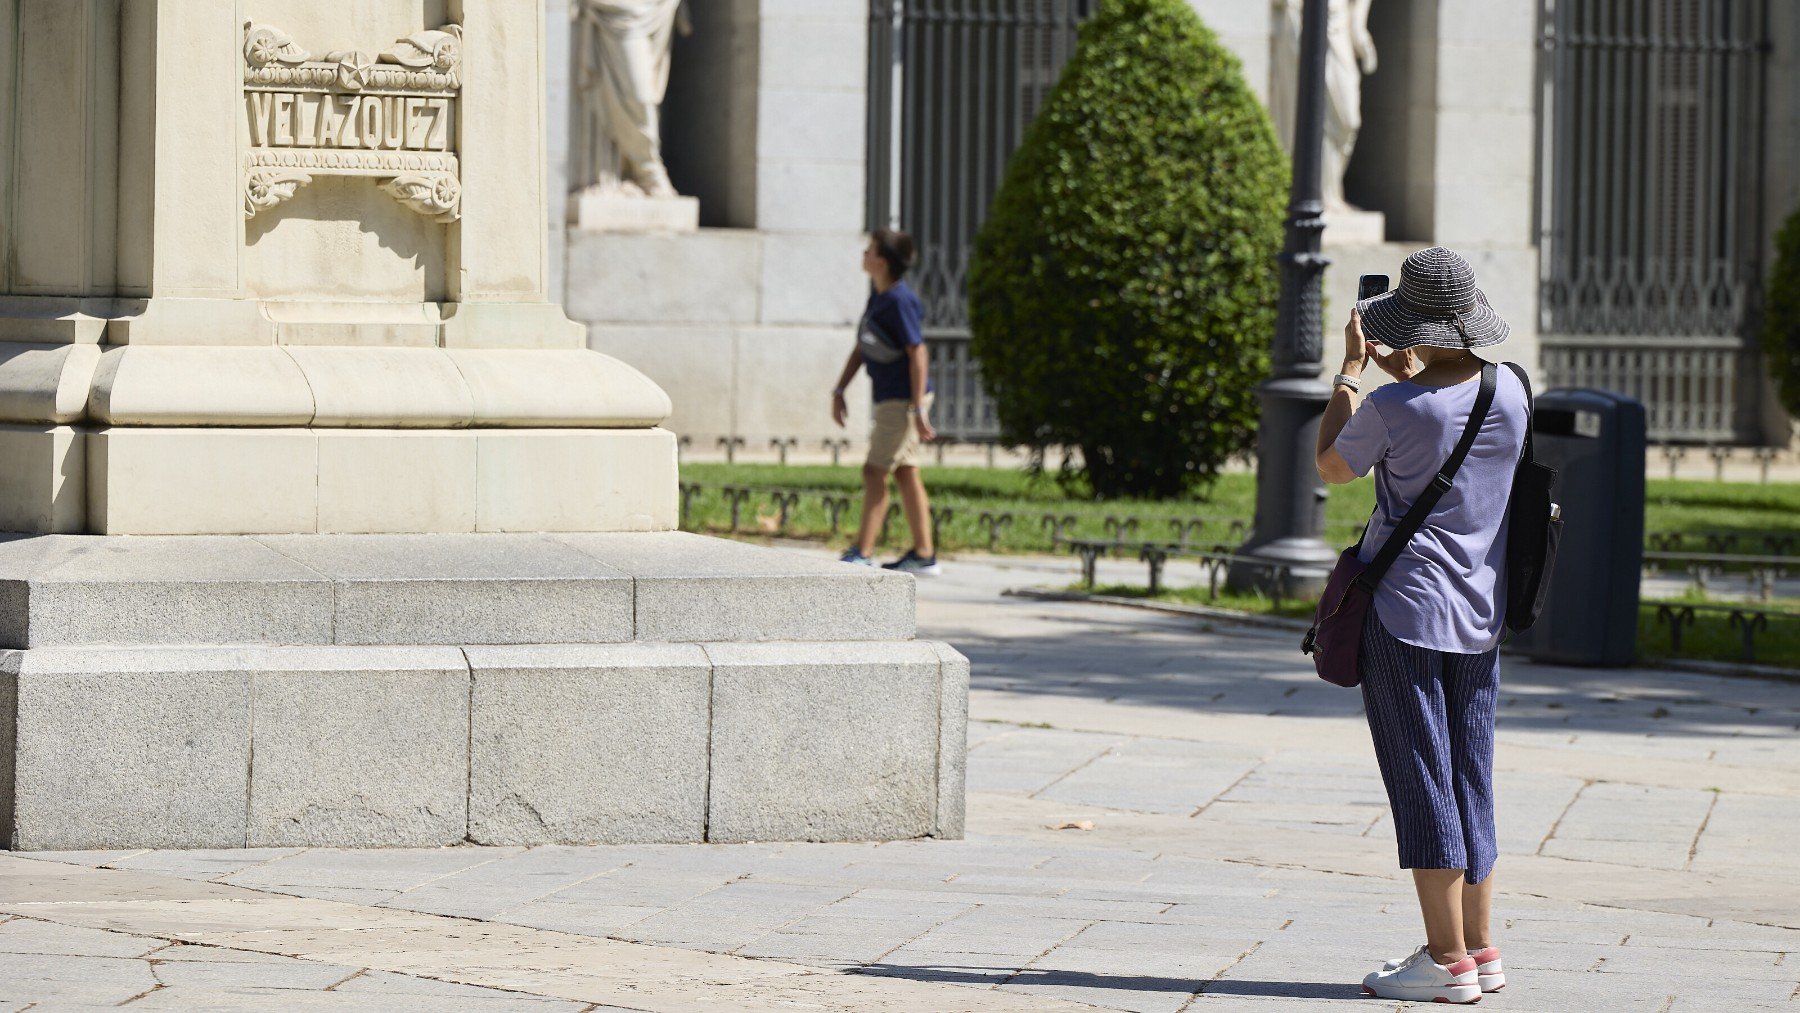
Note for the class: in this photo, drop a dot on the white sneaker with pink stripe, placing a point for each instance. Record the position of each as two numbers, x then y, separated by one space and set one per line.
1487 965
1420 979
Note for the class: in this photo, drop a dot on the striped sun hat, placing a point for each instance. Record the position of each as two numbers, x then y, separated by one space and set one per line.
1437 303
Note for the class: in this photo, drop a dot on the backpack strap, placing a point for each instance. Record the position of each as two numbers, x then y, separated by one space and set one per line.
1440 484
1530 409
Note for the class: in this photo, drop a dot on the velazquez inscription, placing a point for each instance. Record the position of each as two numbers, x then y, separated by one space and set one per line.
390 117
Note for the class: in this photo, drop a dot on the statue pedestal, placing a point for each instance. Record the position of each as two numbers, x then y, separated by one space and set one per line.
616 212
321 351
426 690
1355 227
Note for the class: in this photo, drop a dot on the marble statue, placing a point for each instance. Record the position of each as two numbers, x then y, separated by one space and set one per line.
622 73
1349 54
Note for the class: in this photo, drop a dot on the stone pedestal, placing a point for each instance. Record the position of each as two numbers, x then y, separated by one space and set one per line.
612 212
279 285
1355 227
421 690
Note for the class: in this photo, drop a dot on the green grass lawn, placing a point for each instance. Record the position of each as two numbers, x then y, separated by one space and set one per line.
970 492
1688 505
1683 506
1671 505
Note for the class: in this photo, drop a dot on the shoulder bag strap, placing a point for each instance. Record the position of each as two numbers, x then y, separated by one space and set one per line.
1530 409
1440 484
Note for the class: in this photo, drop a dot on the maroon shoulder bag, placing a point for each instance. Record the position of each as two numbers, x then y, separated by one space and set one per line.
1335 640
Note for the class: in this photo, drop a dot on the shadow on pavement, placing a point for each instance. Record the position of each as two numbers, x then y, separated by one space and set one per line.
960 975
1144 659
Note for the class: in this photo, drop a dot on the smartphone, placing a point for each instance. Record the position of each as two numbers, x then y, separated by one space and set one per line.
1371 285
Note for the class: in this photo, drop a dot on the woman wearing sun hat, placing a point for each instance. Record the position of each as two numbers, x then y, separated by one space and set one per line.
1430 650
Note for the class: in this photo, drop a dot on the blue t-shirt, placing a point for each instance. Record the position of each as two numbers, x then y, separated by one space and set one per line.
891 324
1446 592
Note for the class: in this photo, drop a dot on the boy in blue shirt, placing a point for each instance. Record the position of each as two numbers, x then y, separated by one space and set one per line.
890 343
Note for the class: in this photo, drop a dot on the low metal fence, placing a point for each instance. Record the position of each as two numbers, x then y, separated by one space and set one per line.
966 416
1057 528
1747 621
1217 561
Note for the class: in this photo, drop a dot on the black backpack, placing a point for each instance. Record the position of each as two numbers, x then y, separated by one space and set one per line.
1534 527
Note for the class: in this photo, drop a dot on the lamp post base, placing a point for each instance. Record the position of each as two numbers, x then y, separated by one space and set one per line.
1286 546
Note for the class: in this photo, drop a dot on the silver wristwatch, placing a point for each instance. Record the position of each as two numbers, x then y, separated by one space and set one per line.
1346 380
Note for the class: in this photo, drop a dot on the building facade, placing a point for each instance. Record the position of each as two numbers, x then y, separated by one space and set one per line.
1614 169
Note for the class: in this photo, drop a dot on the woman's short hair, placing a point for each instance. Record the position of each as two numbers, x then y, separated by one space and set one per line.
895 247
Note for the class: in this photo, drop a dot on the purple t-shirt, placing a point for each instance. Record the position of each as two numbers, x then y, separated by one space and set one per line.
1446 592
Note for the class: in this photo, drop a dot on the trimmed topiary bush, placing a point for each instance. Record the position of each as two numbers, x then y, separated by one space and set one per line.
1781 317
1122 293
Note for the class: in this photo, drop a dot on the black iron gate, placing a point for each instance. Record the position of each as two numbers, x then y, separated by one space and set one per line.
1652 222
952 86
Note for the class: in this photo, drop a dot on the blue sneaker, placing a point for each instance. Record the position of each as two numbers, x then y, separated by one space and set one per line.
915 564
855 557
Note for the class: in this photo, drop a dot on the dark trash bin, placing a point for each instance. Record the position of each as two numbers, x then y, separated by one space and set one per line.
1595 441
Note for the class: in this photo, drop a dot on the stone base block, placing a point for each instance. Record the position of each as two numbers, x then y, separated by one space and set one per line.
156 481
419 690
368 590
872 724
231 748
43 491
190 747
602 744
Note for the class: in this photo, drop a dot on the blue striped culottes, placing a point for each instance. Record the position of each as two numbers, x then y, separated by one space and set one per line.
1431 714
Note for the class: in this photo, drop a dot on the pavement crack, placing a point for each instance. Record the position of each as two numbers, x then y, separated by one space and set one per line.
1228 789
1372 824
1694 847
566 886
152 990
1078 768
1222 972
113 863
333 987
221 877
940 923
447 875
1554 827
1026 966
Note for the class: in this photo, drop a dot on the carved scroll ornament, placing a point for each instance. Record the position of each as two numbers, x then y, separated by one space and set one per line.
391 117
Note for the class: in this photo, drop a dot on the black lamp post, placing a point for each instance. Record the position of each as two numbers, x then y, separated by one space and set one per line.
1290 498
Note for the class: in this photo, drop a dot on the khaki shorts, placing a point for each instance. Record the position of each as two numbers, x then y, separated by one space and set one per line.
894 441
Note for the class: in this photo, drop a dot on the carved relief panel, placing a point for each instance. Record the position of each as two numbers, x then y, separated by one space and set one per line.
391 118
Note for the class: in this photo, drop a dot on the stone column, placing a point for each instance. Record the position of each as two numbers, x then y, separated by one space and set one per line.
556 129
1485 185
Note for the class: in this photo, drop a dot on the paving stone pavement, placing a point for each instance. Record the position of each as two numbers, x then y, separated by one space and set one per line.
1240 856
